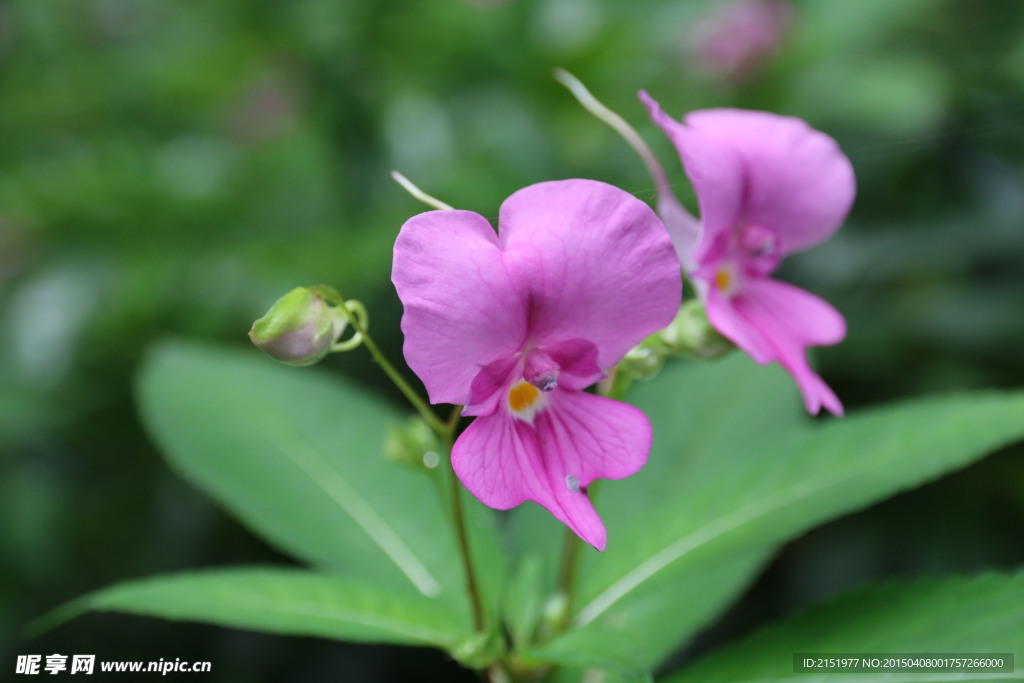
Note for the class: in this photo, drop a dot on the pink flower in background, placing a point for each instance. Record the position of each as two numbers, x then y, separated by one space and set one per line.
736 38
767 186
515 325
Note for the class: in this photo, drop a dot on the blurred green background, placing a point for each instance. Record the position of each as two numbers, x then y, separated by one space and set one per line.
170 168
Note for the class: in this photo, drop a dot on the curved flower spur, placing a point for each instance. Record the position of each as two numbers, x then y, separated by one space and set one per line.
514 325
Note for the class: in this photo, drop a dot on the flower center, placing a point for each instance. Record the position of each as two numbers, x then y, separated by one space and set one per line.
541 370
522 396
759 250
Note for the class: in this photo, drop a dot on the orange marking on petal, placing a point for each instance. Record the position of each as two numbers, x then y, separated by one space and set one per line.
522 396
723 279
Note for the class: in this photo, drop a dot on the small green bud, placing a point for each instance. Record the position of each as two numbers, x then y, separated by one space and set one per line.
692 333
555 607
300 328
412 444
554 614
478 651
644 360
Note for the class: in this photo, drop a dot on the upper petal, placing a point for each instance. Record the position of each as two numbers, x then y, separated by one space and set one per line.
795 180
774 321
762 168
576 439
595 262
462 311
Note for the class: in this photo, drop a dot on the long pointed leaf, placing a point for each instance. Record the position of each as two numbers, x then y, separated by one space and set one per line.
297 456
285 601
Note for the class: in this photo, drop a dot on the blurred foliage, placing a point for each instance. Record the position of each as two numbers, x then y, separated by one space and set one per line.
172 168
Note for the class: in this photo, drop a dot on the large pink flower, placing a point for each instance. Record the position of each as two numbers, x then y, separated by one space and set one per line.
767 186
515 325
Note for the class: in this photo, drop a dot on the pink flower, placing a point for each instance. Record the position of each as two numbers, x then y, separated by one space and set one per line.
736 38
515 325
767 186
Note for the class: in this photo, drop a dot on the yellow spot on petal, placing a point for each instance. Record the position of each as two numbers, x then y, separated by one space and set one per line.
522 396
723 280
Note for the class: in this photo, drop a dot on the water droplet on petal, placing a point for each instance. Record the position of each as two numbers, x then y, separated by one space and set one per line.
573 483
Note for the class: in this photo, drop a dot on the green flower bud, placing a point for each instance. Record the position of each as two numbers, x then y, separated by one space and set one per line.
692 333
300 328
412 444
644 360
478 651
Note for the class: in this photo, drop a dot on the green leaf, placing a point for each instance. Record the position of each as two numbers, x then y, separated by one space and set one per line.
957 615
731 477
285 601
612 653
670 607
297 456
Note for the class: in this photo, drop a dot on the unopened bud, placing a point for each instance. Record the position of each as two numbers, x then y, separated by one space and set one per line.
692 333
478 651
554 612
644 360
300 328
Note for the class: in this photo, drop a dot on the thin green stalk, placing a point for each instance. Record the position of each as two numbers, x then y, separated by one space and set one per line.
572 549
446 430
458 514
417 402
453 420
472 587
572 546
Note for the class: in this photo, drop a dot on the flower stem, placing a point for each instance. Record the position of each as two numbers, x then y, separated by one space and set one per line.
572 548
472 587
445 430
417 402
462 535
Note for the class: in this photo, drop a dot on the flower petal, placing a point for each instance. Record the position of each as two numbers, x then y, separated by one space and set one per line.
596 437
774 321
462 311
765 169
576 439
795 180
490 385
595 263
577 359
684 230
